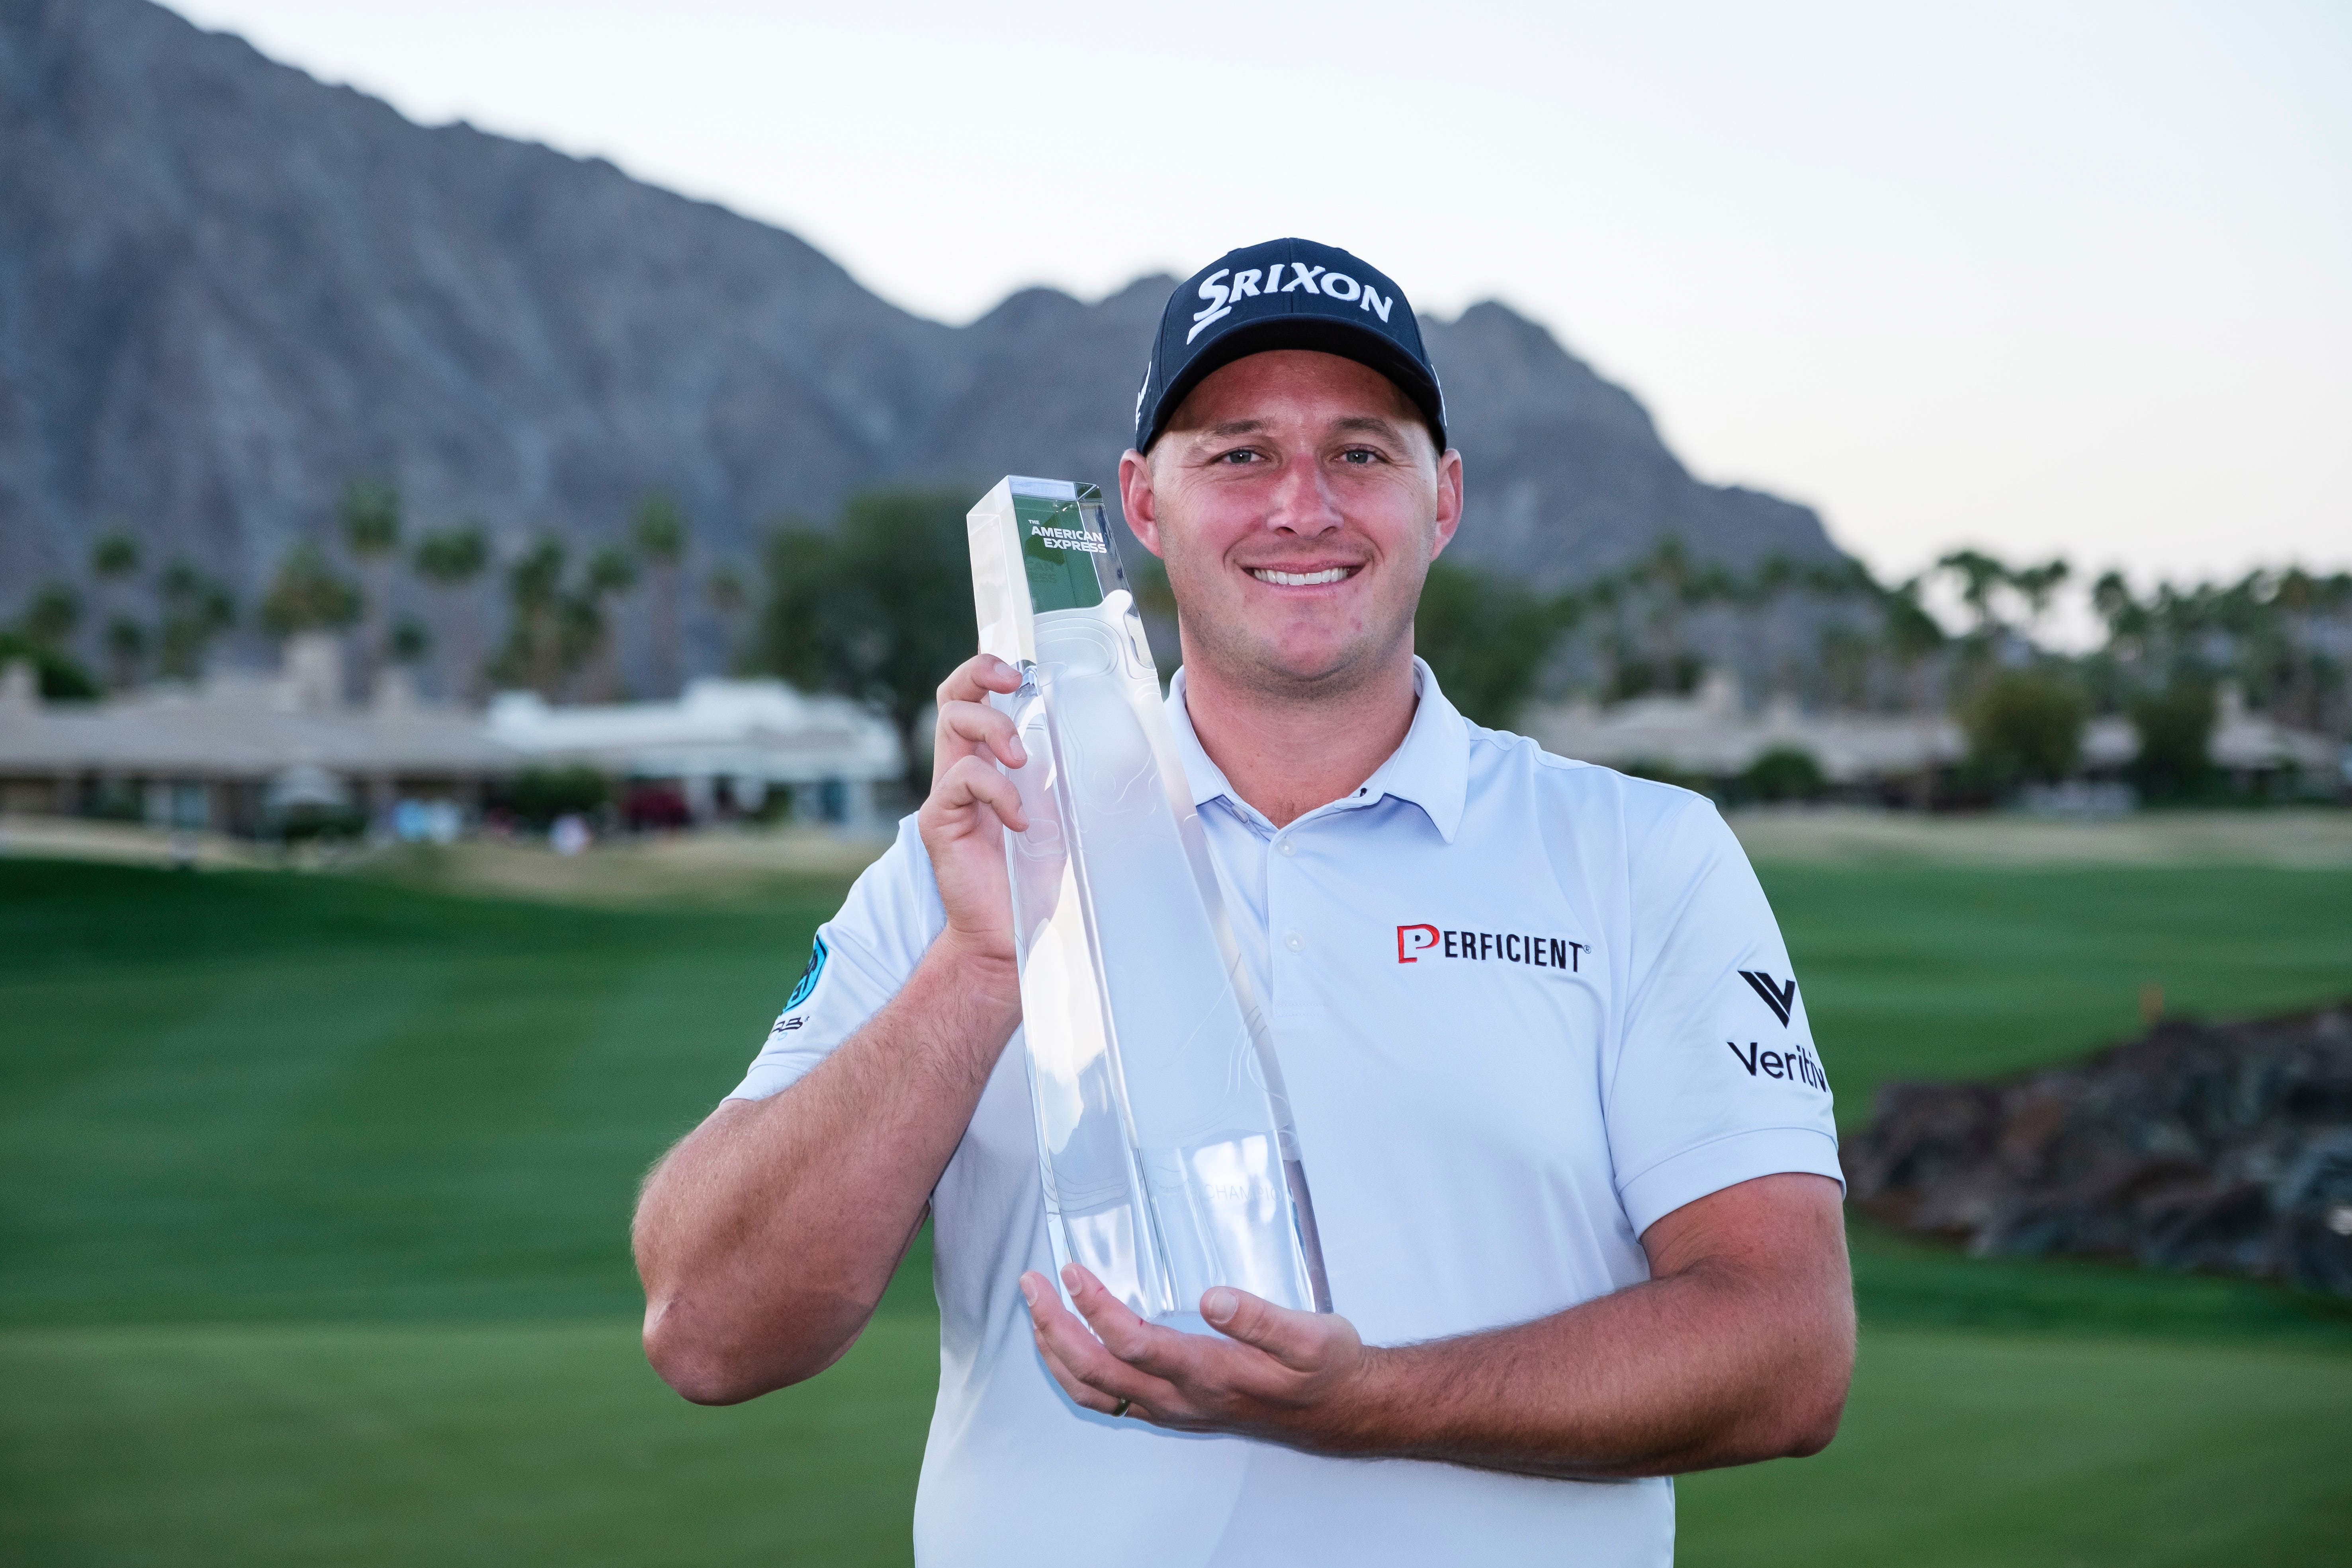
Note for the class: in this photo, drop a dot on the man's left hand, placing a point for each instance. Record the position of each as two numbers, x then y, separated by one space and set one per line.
1287 1377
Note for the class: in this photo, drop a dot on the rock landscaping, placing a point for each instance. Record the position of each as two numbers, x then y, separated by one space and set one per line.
2218 1147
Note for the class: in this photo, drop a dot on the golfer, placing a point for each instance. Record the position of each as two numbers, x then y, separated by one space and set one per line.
1570 1142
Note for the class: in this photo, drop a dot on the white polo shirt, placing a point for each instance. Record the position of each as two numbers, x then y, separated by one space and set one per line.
1523 1006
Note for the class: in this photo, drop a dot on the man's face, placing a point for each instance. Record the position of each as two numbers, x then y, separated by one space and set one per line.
1297 501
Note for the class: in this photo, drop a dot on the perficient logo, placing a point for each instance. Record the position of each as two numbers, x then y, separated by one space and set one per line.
1415 942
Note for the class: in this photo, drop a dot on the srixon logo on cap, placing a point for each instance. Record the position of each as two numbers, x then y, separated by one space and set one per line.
1221 295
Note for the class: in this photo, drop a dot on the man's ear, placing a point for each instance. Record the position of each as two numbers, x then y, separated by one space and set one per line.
1136 500
1449 499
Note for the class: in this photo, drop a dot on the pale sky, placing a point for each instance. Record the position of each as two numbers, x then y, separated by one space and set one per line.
2033 278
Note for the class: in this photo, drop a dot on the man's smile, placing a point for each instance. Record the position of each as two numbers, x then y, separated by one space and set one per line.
1315 579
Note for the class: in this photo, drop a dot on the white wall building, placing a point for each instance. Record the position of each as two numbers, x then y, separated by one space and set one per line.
726 743
239 752
1708 734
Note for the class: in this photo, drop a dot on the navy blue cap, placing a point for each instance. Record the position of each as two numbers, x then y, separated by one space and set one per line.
1284 294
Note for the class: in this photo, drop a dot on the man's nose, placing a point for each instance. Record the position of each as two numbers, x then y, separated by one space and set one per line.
1303 501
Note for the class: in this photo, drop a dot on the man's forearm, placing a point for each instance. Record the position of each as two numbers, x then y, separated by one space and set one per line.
767 1235
1705 1369
1738 1348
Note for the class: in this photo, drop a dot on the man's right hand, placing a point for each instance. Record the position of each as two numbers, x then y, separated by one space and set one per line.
970 805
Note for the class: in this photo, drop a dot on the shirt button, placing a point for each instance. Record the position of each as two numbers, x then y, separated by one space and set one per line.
1294 941
1289 846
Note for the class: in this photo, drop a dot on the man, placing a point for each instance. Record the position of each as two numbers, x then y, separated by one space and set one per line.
1570 1146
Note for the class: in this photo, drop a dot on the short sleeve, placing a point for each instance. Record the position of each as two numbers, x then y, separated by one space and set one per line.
858 962
1715 1079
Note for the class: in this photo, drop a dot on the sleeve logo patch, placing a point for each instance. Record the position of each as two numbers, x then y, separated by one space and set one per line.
809 976
1798 1065
1782 999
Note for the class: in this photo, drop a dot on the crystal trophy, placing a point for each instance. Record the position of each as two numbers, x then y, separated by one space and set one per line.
1164 1137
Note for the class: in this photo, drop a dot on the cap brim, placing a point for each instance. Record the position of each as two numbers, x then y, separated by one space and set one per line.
1323 334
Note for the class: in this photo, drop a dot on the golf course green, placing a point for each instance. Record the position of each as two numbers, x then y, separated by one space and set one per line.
314 1193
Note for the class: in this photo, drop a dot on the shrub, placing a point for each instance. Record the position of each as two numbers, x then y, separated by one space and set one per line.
2025 727
538 796
311 822
1784 773
61 680
2176 742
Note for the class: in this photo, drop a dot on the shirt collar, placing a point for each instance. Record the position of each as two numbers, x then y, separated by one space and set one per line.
1431 768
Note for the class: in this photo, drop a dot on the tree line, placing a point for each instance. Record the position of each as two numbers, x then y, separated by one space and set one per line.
1834 637
878 607
559 633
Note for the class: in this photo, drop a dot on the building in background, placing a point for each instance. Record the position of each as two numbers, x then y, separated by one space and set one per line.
1707 735
2261 756
244 753
722 749
265 756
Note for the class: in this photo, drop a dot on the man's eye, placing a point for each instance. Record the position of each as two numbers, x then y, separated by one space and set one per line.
1359 456
1238 456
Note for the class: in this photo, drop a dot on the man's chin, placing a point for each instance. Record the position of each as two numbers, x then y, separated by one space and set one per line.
1298 674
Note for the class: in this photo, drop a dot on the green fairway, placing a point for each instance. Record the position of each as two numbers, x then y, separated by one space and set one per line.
297 1096
312 1238
1916 971
406 1444
485 1444
1961 1450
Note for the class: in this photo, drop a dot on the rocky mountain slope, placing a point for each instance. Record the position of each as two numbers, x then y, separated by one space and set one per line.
226 289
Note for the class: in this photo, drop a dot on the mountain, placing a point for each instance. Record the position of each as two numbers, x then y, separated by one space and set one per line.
226 289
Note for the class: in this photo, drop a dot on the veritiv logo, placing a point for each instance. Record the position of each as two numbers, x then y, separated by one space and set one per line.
1782 999
1798 1064
1415 942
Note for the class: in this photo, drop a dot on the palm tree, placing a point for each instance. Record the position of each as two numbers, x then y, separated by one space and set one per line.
1762 597
51 616
126 646
533 656
1606 596
113 560
729 597
1980 576
410 643
195 610
370 518
612 572
2037 583
307 596
1912 636
2111 596
451 560
660 537
1675 586
114 557
2295 599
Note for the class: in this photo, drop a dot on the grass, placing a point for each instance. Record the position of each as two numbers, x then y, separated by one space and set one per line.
313 1194
1914 971
1964 1450
254 1095
496 1444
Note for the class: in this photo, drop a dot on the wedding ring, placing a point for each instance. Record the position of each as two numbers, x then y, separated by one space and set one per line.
1122 1407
